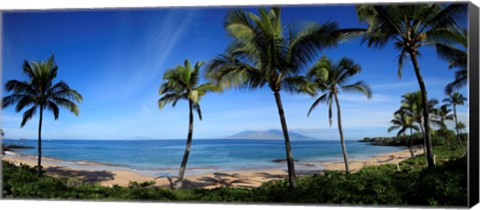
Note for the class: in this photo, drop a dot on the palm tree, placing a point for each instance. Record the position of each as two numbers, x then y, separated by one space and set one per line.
461 126
40 93
453 100
181 83
331 78
403 122
443 114
263 53
412 105
457 58
411 27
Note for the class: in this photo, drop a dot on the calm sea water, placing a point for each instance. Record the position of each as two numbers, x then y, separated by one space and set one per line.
156 155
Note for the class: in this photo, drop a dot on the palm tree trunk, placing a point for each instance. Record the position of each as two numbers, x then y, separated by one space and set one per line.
342 140
426 121
460 144
183 166
410 144
423 134
291 167
39 163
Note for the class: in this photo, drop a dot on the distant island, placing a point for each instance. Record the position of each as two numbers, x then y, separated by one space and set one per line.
268 135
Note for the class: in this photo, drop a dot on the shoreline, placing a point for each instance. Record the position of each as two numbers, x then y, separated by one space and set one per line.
109 175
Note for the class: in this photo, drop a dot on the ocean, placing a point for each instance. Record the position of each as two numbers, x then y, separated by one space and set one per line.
163 157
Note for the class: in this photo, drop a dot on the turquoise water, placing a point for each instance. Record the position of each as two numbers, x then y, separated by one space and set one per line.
166 155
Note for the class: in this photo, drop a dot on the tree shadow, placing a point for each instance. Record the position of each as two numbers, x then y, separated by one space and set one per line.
272 176
82 175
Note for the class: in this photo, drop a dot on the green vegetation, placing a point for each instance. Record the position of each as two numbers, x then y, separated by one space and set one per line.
457 59
331 78
264 52
453 100
410 27
403 122
181 83
413 184
40 93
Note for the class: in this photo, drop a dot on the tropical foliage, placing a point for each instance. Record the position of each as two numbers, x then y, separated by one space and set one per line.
411 27
182 83
453 100
263 53
40 93
376 185
457 59
331 78
403 122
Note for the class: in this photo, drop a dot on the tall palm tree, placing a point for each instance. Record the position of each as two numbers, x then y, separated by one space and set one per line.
443 114
461 127
331 78
402 122
40 93
457 59
453 100
181 83
411 27
412 105
263 53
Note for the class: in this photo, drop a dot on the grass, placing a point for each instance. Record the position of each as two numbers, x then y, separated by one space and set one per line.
377 185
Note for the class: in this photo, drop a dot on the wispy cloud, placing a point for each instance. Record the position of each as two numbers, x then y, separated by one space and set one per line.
148 57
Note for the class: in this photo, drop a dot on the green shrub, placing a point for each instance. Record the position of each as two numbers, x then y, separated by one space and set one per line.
377 185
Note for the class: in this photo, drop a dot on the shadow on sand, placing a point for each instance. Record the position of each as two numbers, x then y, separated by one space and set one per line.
83 175
233 180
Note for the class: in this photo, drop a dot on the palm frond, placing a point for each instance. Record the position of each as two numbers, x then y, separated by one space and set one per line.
304 46
299 84
54 108
359 86
68 104
321 99
394 127
229 72
461 79
449 16
12 99
168 98
196 107
23 102
330 112
27 115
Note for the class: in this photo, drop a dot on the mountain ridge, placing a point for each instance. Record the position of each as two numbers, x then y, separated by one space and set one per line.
271 134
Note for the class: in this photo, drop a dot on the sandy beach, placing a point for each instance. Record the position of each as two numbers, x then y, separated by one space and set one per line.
109 175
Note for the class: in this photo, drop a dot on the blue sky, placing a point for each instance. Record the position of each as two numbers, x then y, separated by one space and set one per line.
116 59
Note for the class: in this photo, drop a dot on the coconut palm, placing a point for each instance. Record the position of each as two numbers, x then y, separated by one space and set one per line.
461 127
182 83
443 114
412 105
457 59
40 93
410 27
263 53
453 100
402 122
331 78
